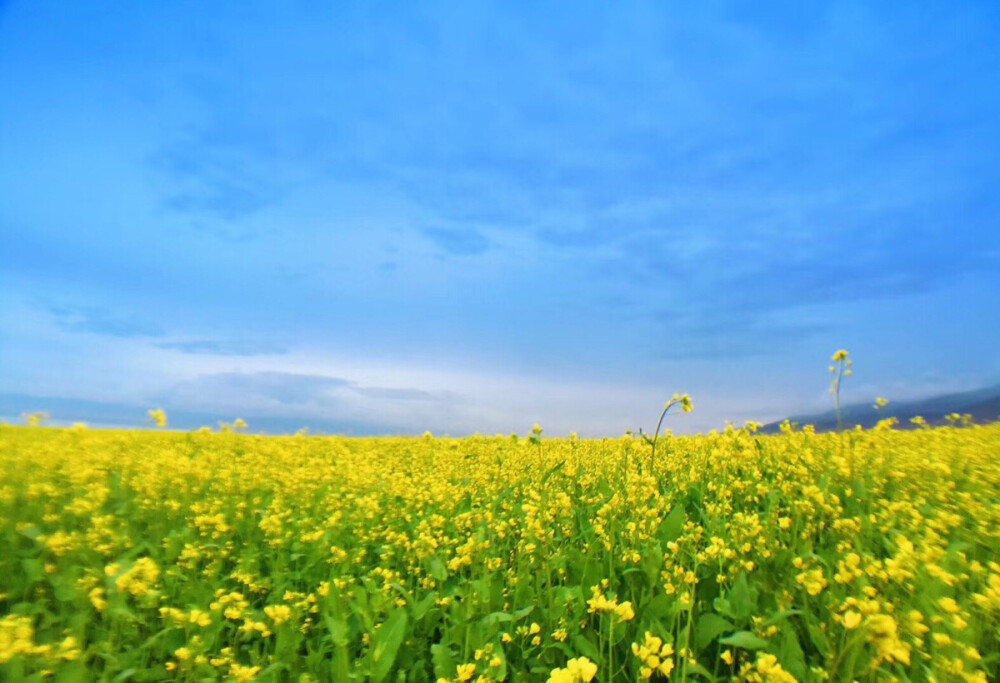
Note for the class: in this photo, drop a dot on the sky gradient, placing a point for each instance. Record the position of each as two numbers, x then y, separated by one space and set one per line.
390 217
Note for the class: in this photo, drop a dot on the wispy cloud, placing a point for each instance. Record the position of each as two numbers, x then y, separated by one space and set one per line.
291 389
394 394
458 241
103 321
217 181
278 388
697 336
225 347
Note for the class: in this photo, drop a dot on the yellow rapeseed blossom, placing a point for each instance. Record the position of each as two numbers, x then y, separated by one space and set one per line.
884 634
279 614
765 669
577 670
243 673
852 620
139 579
654 656
599 602
242 550
17 637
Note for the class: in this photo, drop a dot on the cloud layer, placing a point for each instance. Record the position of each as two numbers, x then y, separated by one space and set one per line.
705 198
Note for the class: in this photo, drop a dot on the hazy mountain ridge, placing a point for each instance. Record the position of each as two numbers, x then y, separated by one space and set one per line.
982 404
104 414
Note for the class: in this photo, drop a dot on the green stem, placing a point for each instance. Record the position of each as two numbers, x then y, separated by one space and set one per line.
611 651
652 455
836 396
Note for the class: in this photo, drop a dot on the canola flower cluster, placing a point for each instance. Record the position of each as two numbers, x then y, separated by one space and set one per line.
158 555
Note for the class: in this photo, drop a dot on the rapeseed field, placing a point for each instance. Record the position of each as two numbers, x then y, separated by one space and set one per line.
152 556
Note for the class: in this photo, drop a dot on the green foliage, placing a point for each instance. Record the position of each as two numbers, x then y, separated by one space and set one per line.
224 556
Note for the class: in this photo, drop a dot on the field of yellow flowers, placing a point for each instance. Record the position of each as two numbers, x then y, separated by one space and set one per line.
149 556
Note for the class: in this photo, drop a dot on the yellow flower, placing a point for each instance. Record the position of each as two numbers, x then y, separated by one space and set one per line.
851 620
841 354
665 667
654 656
582 668
279 614
243 673
159 417
464 671
17 637
576 670
139 579
949 605
561 676
770 670
96 596
624 611
883 633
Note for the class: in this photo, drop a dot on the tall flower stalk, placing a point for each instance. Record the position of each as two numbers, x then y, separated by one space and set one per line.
840 369
682 400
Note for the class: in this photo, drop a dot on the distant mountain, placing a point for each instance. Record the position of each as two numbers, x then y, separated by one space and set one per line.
63 411
982 404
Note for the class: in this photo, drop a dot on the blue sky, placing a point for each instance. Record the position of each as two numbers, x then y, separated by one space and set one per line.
391 217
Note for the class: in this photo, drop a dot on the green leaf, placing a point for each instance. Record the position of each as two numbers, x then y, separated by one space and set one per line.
723 606
437 569
421 608
385 644
660 607
500 673
495 618
65 593
32 532
673 524
149 642
790 654
778 617
33 569
819 639
740 599
340 664
337 629
444 663
71 672
700 670
552 471
523 612
745 640
586 648
709 627
274 668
